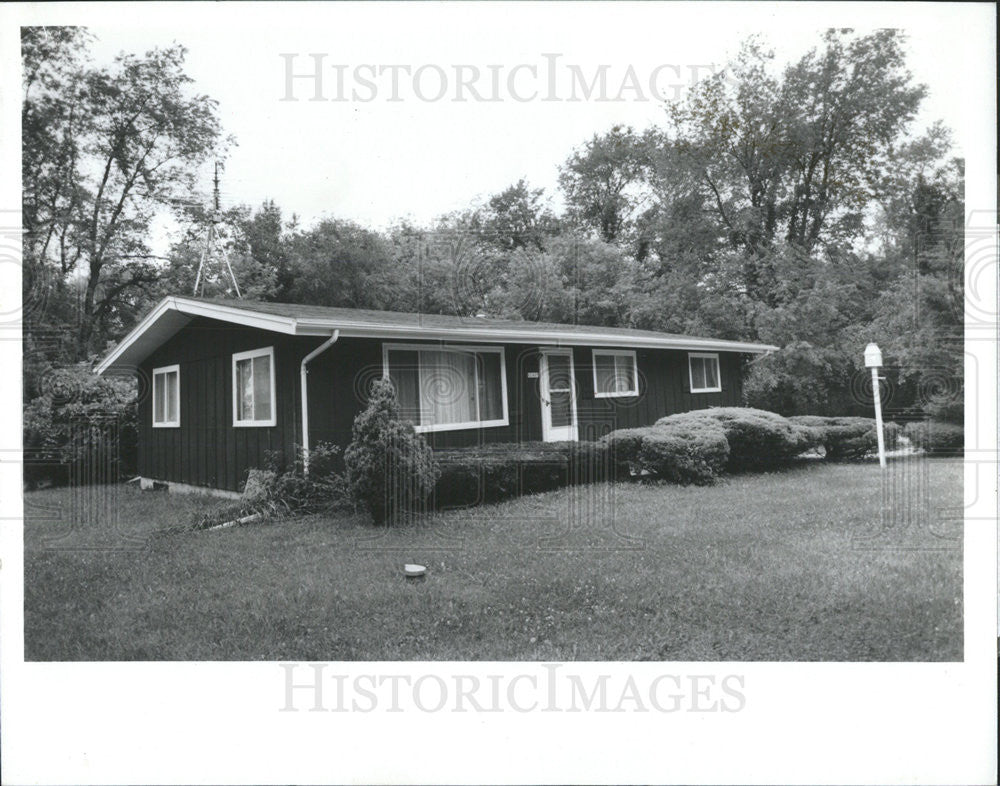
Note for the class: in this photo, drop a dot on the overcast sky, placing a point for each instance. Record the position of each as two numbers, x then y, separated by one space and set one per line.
377 160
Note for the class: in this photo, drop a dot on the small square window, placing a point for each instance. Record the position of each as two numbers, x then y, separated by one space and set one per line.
615 373
166 397
703 368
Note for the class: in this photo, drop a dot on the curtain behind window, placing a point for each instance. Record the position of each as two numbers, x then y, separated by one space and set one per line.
244 389
704 373
711 372
604 366
262 387
405 377
438 387
447 386
615 373
158 399
490 386
170 396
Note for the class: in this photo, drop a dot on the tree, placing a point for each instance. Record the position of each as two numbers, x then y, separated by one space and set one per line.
127 142
339 263
54 116
919 317
265 252
795 157
517 217
603 181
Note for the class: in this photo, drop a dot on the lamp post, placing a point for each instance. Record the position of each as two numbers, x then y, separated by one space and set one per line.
873 360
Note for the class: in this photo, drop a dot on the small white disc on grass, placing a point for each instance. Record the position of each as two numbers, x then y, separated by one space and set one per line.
413 571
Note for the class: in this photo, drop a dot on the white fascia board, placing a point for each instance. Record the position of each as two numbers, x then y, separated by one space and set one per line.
236 315
150 319
194 308
322 327
548 338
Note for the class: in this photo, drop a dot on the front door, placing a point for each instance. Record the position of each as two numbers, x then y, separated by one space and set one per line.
557 387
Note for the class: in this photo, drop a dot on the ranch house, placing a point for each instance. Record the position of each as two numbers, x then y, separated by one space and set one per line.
223 382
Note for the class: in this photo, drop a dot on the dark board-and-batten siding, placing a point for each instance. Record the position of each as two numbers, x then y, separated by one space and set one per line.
207 450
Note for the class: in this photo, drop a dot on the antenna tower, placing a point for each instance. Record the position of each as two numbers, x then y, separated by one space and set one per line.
210 245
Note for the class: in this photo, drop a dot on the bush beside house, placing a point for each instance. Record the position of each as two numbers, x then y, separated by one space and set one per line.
689 448
390 470
696 452
80 424
849 438
491 473
757 439
283 489
937 438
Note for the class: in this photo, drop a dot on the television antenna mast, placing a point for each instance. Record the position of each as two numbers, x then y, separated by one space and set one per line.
210 236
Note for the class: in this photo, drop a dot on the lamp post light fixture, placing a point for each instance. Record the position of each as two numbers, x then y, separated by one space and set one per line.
873 360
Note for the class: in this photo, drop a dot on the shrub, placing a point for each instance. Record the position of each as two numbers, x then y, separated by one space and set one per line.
624 447
390 469
491 473
936 437
947 406
845 438
80 424
695 452
757 438
293 490
282 490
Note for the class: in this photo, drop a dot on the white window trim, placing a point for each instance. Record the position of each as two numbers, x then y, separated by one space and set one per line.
615 353
718 372
253 353
166 423
505 421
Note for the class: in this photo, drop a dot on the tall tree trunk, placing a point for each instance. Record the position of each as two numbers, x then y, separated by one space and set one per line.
87 318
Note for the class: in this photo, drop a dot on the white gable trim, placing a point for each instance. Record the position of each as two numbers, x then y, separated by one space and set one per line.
192 308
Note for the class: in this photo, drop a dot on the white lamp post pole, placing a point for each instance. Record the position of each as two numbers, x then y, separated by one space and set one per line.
873 359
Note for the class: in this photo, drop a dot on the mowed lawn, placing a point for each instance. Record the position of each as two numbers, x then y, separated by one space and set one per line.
795 565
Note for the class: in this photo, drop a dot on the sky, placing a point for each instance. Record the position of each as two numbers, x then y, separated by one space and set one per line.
382 155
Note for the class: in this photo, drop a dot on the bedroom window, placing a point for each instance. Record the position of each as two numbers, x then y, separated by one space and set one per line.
166 397
615 373
253 388
447 388
703 368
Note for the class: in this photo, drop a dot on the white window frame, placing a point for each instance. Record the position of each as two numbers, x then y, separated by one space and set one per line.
718 372
253 353
469 348
615 353
158 372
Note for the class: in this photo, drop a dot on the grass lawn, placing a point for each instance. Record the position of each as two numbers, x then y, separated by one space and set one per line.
786 566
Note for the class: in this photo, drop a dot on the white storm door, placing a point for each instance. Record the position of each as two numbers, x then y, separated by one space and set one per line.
557 387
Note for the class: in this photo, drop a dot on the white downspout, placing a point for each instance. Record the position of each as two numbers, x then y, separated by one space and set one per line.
304 389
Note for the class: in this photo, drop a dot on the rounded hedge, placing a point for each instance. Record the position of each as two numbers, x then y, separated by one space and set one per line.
685 452
757 439
846 438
